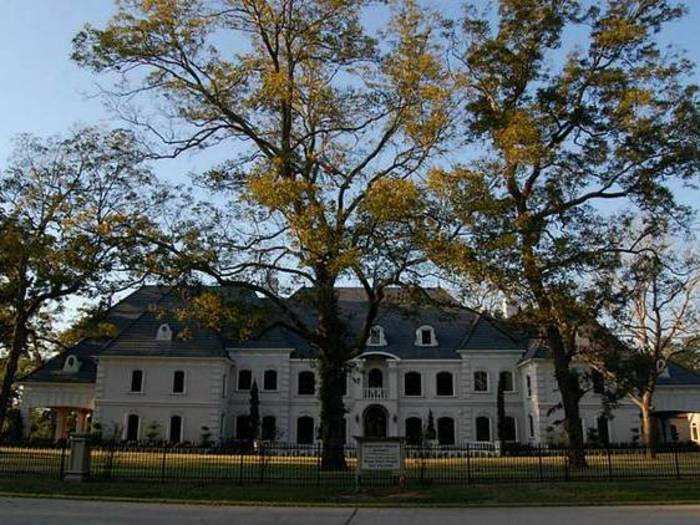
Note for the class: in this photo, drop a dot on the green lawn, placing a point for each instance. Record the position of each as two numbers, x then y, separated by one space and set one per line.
572 493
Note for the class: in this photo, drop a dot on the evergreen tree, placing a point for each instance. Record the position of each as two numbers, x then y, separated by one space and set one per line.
254 419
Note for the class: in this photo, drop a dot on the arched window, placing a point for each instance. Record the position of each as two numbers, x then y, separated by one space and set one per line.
133 422
268 428
243 430
375 378
425 336
137 381
164 333
481 381
444 386
307 383
305 430
412 384
245 379
603 430
414 430
175 433
178 382
376 336
509 429
483 428
506 380
446 431
270 380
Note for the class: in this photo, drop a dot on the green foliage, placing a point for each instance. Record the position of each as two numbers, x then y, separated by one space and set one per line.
205 437
614 123
330 124
71 210
430 433
254 419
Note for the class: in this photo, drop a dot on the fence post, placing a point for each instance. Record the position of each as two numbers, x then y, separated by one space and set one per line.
318 469
539 463
162 464
262 463
61 469
610 471
469 466
240 468
567 460
79 467
675 462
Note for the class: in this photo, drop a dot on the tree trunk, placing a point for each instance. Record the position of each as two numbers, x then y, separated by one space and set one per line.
333 355
19 340
648 430
567 381
570 392
332 416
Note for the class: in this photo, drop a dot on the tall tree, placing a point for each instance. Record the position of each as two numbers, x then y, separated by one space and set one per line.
68 209
612 122
654 320
325 125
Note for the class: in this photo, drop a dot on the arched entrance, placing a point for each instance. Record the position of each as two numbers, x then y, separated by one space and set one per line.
374 421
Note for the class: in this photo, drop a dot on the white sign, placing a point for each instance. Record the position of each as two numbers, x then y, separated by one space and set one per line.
381 456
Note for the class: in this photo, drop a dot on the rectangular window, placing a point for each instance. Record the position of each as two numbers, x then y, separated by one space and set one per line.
412 384
270 380
223 385
137 381
506 379
426 336
245 379
481 381
178 382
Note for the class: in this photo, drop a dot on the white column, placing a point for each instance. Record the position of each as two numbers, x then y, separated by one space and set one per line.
26 411
393 373
60 423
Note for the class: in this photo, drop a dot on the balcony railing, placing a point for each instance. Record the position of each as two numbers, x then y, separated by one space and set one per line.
375 393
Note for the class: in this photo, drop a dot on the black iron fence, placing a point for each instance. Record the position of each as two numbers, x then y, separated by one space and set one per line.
39 459
302 465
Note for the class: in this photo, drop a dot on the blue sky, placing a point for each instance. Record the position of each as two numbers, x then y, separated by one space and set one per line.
43 92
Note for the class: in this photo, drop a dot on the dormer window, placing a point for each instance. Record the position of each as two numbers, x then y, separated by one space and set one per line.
164 333
425 336
376 336
71 365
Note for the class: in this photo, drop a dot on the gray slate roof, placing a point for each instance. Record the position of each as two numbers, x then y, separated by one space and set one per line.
122 315
458 330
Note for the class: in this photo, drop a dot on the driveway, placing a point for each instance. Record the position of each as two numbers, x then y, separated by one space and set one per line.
30 511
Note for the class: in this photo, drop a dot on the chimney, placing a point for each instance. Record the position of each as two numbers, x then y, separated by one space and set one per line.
508 309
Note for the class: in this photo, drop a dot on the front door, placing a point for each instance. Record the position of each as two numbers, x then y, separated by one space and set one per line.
375 422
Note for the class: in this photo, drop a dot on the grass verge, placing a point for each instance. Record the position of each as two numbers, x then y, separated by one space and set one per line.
590 493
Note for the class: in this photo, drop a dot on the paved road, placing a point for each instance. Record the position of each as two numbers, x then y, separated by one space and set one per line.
28 511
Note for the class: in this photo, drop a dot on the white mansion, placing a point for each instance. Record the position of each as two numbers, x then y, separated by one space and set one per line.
419 359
